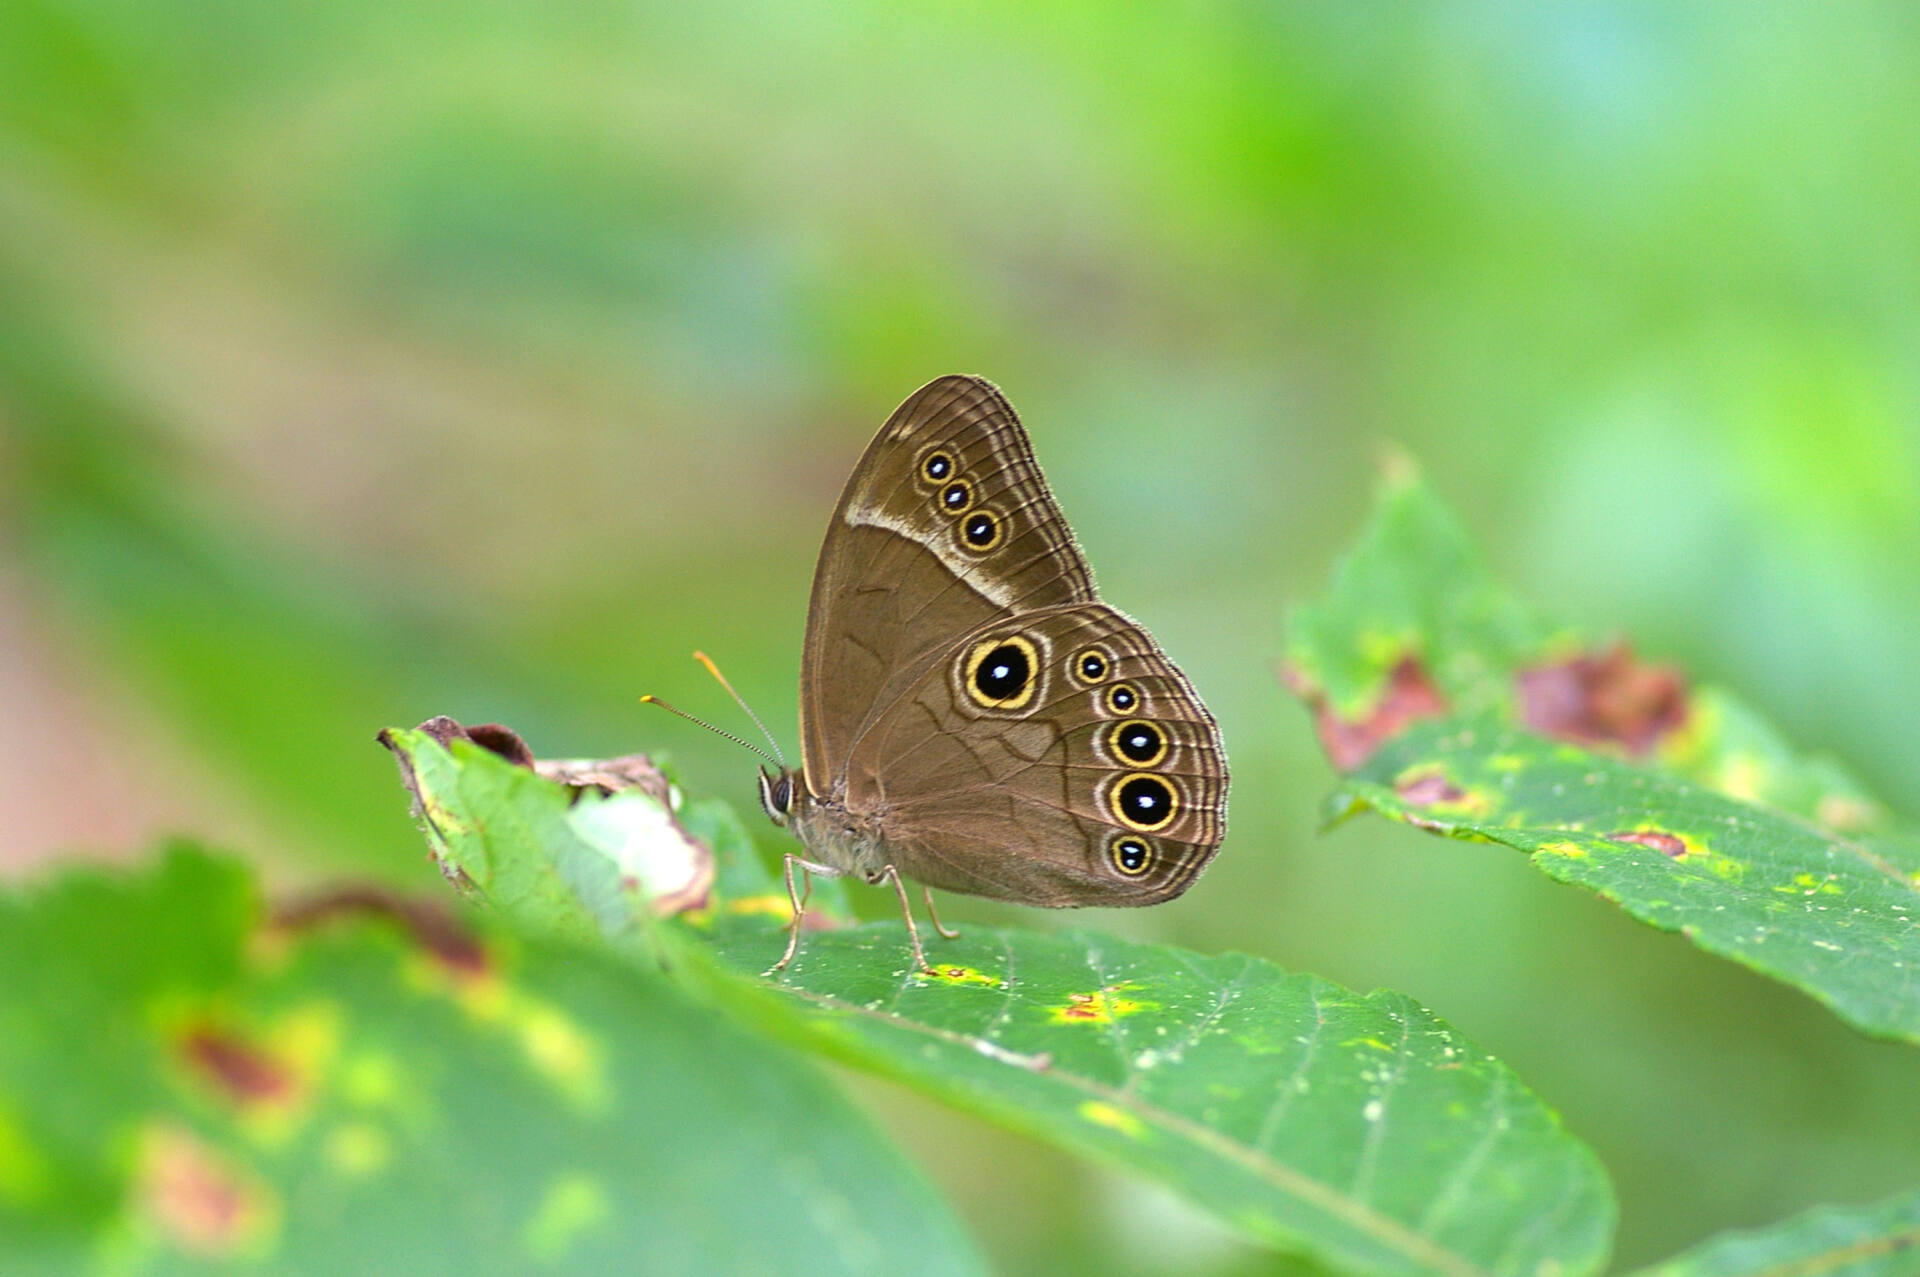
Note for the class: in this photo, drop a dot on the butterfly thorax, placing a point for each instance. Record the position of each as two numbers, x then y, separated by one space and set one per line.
832 833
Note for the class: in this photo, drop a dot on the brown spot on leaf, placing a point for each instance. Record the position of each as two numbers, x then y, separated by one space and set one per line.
1081 1006
1100 1007
1429 788
1409 695
238 1069
430 926
1665 843
493 737
1606 699
197 1198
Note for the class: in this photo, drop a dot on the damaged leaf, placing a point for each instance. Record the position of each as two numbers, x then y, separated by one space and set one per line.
317 1092
1677 802
1360 1130
608 835
1836 917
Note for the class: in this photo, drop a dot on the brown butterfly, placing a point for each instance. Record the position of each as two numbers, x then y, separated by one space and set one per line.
971 714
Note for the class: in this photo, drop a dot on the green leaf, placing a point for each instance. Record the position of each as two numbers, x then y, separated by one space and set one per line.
1362 1131
1684 806
1882 1240
179 1087
602 855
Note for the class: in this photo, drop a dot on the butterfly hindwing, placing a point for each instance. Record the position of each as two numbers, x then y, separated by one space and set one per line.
1054 757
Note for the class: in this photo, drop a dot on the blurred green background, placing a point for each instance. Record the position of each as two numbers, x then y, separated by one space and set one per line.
363 362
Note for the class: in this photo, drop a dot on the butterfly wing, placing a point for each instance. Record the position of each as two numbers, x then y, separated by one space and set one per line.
944 525
1053 757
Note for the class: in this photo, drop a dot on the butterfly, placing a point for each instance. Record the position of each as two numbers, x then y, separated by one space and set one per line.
972 716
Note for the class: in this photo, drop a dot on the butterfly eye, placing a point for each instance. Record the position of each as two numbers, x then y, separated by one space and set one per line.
1092 665
1121 698
956 496
936 466
776 796
1000 672
980 531
1131 856
1140 743
1144 802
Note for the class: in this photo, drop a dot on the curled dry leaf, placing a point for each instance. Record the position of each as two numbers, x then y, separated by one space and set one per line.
656 856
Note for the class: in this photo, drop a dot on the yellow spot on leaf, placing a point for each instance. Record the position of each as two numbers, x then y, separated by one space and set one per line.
1742 776
1507 763
1098 1007
1727 867
1383 650
1806 884
1375 1043
370 1080
954 974
774 906
305 1040
571 1205
483 995
358 1149
1569 849
1104 1114
561 1052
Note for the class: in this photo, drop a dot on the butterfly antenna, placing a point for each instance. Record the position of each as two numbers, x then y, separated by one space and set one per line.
701 722
714 670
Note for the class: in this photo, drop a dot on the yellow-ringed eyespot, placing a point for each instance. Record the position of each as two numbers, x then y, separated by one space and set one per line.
1131 854
1002 673
1092 665
1143 801
1137 743
956 496
1122 699
936 465
981 531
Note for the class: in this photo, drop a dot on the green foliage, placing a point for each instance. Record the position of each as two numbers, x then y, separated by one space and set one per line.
359 361
362 1090
1360 1130
1456 713
1882 1240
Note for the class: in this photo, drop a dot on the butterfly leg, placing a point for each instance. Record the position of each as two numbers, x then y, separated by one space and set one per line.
799 902
926 893
906 911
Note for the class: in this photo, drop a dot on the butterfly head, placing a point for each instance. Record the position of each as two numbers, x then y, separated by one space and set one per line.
776 795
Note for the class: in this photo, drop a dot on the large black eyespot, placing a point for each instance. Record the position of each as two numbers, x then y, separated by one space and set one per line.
980 531
1121 698
956 496
1144 802
936 466
1092 665
1131 856
1139 742
1000 672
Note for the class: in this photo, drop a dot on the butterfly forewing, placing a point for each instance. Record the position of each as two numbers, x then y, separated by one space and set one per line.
944 524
